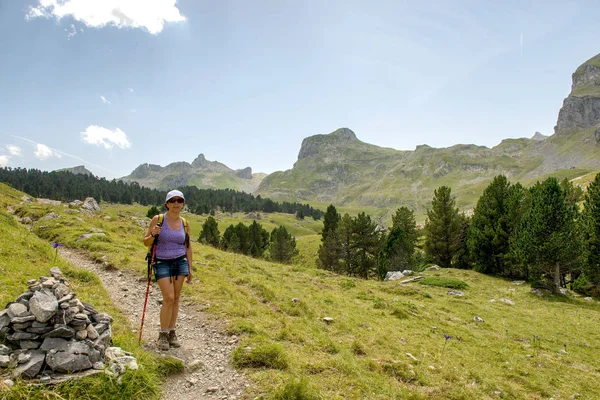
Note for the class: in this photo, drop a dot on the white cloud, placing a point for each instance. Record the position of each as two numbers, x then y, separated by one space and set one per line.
14 150
152 15
4 160
100 136
72 33
42 152
131 90
105 100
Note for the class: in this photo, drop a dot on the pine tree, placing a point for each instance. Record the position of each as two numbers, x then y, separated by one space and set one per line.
152 212
591 231
443 229
283 245
365 246
490 229
398 249
330 221
259 239
210 232
547 239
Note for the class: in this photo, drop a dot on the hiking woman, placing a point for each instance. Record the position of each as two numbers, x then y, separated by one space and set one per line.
173 261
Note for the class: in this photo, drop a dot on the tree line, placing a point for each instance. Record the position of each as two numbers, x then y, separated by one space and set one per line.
548 234
67 186
252 240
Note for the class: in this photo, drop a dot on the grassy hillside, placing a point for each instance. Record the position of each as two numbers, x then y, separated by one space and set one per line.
360 176
24 256
387 340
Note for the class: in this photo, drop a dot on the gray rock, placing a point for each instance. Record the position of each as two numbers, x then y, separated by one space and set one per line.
31 368
66 298
453 292
61 290
24 296
77 356
408 272
43 305
29 344
433 268
22 358
4 350
507 301
21 327
17 310
56 273
92 333
61 331
22 320
393 276
22 336
90 204
4 361
9 383
57 344
4 319
477 319
105 339
89 235
81 334
39 331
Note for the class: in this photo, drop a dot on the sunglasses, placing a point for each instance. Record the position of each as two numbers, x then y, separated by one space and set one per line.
177 200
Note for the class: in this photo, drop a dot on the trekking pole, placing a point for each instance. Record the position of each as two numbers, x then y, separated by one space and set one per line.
150 258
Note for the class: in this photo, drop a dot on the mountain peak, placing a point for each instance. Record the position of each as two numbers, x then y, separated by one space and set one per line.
344 134
581 109
539 136
316 143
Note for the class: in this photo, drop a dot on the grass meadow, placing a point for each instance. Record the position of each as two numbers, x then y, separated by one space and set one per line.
386 340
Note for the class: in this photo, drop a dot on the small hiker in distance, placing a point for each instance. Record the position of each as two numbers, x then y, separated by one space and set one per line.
172 263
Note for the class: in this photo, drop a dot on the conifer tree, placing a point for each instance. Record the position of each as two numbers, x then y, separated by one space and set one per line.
547 239
283 245
210 232
591 227
443 229
398 249
330 221
259 239
490 229
365 244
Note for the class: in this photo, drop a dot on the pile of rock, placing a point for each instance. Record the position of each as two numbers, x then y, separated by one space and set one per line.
49 330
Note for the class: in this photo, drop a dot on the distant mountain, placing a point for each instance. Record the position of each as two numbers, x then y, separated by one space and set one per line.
338 168
201 173
80 169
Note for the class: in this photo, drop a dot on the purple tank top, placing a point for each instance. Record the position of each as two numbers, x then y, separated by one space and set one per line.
171 243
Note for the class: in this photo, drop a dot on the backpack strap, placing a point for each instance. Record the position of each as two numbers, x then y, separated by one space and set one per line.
186 228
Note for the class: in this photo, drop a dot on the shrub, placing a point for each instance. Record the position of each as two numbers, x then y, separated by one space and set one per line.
451 283
263 355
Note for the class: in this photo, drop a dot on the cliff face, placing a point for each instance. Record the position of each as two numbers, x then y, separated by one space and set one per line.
581 109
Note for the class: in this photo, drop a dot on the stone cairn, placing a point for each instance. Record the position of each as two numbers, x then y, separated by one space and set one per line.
51 332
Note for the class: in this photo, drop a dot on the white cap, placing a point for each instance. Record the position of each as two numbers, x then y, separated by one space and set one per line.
174 193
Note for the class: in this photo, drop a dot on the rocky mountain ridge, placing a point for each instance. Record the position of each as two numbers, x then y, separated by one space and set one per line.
341 169
201 172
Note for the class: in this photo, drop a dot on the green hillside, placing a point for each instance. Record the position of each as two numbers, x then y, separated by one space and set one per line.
387 340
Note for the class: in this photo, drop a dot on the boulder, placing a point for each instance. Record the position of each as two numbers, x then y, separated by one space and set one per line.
43 305
32 367
90 204
393 276
76 357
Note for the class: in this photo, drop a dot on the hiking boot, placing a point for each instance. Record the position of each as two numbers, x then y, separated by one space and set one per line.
172 338
163 341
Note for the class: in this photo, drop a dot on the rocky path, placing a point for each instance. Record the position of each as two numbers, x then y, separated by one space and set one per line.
205 350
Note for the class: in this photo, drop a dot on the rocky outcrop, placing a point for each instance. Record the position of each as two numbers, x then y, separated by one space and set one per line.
245 173
80 169
581 109
539 137
312 145
202 163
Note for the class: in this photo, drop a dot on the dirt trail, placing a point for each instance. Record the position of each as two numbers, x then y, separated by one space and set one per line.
205 350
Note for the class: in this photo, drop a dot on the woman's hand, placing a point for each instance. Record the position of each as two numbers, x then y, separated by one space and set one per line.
189 277
155 231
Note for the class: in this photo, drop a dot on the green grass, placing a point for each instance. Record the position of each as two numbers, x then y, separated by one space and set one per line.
446 282
287 350
24 256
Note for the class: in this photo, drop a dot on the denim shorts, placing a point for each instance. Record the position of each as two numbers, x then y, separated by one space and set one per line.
171 268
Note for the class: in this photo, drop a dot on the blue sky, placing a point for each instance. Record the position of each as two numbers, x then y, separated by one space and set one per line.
111 84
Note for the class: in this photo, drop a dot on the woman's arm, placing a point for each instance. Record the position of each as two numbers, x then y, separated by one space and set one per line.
152 231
